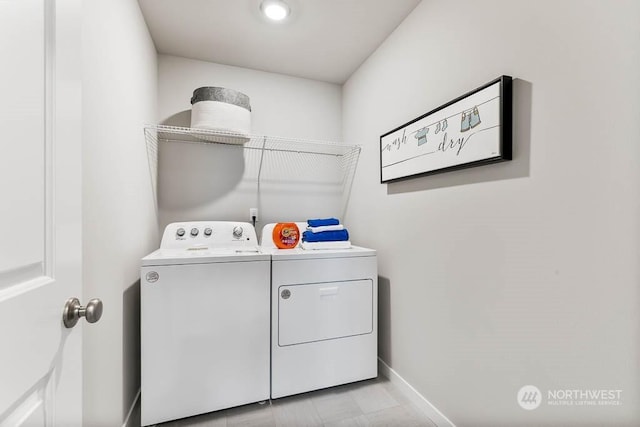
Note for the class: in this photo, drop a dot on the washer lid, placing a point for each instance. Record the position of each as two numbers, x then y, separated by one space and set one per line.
203 256
299 253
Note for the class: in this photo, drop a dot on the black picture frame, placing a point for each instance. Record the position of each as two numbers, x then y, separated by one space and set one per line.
424 146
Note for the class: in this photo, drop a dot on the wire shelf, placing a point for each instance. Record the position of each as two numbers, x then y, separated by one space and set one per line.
280 164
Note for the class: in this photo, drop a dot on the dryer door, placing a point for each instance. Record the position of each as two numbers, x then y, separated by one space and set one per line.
324 311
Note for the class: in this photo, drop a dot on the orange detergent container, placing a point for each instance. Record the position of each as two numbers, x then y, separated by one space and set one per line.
286 235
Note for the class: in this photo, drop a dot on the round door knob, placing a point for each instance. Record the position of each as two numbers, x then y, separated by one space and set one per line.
73 311
237 231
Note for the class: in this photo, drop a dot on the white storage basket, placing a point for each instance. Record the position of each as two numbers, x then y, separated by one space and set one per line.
221 109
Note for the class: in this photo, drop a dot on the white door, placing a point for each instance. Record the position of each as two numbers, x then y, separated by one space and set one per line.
40 212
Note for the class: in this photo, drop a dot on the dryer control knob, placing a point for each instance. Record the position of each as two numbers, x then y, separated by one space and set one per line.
180 232
208 231
194 232
237 231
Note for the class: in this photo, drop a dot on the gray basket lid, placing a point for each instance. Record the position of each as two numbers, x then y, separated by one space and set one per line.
221 94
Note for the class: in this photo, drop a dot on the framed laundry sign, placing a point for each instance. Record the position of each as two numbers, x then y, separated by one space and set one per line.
474 129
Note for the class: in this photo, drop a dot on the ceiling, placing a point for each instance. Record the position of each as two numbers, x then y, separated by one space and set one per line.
324 40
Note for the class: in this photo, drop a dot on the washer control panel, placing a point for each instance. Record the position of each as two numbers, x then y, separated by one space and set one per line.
208 234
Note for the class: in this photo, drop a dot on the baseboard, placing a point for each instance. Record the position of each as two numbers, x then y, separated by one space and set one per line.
412 394
129 419
403 386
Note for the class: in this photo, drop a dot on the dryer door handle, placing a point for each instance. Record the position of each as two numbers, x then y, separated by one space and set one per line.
324 292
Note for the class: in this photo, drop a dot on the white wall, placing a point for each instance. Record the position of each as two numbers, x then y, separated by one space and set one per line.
518 273
119 224
211 182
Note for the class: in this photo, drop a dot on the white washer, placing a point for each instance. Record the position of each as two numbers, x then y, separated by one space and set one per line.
324 316
204 321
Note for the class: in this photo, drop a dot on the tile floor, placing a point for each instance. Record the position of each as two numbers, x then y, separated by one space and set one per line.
367 403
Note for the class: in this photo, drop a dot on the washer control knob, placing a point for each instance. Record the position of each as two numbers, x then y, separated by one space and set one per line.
208 231
194 232
180 232
237 231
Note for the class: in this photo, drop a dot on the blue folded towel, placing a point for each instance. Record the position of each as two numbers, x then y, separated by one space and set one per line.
326 236
323 221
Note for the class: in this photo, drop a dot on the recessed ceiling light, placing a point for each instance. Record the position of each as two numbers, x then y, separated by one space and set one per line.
276 10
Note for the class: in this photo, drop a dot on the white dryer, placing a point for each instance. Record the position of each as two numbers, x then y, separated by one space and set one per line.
324 316
204 321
